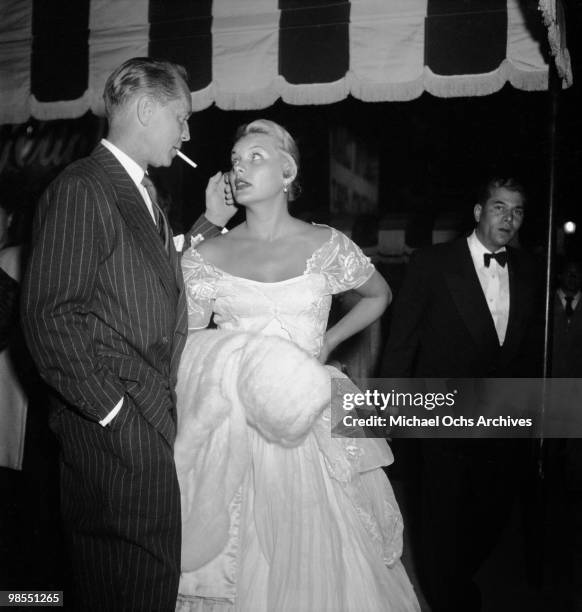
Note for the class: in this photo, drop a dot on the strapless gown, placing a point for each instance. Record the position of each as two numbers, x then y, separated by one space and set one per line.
302 535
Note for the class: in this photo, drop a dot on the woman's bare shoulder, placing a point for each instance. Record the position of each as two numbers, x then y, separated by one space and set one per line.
214 250
314 234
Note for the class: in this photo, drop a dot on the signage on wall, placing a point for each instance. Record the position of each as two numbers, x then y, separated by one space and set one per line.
48 144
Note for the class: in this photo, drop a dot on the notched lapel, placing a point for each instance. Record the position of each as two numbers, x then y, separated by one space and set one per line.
516 296
138 220
467 294
137 217
181 329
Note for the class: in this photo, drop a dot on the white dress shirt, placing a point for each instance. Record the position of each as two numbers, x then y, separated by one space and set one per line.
135 171
495 284
575 299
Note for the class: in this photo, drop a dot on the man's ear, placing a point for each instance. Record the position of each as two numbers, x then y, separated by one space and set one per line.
145 109
477 210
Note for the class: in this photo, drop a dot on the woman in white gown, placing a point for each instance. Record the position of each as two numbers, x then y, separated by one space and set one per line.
278 516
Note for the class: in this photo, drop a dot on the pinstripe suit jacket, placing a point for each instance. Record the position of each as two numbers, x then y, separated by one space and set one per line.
103 305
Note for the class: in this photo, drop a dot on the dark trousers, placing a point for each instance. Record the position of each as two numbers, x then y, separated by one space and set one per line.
121 510
466 493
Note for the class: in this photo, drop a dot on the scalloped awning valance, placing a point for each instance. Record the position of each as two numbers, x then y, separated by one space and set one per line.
246 54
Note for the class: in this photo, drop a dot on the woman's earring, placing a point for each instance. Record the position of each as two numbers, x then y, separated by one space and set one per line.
285 187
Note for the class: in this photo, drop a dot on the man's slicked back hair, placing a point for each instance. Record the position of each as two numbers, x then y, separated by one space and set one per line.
507 182
158 78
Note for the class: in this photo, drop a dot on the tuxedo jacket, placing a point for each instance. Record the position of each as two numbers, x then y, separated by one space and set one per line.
442 327
103 304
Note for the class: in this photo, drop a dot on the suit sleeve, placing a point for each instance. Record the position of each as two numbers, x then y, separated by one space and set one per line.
406 321
68 243
203 227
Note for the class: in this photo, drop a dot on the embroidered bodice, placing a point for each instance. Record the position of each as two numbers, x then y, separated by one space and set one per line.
296 309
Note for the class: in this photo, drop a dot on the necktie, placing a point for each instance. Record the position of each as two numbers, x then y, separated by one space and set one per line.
160 218
500 257
569 310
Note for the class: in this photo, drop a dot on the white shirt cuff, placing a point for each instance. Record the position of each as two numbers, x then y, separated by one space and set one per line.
179 242
112 414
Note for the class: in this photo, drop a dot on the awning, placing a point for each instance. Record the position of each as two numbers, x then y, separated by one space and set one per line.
246 54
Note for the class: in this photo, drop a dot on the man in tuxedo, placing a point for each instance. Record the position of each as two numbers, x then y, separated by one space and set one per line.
567 342
105 318
466 310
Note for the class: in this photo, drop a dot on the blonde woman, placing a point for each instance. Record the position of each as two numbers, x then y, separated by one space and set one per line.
277 514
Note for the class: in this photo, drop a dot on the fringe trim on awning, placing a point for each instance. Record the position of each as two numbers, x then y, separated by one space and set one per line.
553 15
329 93
319 93
484 84
384 92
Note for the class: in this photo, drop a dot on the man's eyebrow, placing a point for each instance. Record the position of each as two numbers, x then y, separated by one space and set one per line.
506 204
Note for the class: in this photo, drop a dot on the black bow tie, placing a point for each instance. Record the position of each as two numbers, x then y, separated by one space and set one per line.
500 256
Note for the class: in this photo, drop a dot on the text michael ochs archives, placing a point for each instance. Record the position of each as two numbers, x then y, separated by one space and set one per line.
393 402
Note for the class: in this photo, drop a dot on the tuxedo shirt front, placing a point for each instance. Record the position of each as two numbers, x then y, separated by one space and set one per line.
575 298
494 280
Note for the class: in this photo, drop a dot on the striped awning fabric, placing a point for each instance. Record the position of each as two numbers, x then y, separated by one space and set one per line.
246 54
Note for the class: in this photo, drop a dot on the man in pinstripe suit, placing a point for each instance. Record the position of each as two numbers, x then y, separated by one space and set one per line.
105 319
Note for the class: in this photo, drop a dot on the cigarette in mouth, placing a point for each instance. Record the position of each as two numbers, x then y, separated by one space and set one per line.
186 158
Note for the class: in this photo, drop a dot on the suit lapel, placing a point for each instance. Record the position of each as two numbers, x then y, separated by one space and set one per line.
516 296
467 294
181 329
138 220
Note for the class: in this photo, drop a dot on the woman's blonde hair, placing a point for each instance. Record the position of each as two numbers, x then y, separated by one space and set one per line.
285 142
